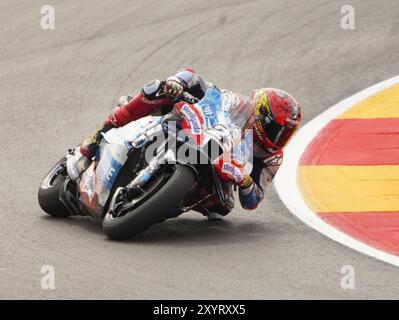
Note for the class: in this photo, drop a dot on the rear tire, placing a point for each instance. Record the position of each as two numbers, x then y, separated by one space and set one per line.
154 210
49 191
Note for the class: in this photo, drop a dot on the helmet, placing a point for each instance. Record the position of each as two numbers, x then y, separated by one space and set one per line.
277 116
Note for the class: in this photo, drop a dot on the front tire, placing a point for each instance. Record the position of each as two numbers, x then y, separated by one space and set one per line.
49 192
154 210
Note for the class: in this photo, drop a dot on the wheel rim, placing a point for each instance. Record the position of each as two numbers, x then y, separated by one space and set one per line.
124 207
53 178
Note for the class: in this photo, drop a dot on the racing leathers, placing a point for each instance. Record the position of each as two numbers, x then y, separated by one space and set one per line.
149 101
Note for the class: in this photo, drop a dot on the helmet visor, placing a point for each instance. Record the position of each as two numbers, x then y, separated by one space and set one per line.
276 133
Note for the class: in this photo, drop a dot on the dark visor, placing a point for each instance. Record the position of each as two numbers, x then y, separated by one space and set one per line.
277 133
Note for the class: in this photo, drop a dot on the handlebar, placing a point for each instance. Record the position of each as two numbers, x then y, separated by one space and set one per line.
187 97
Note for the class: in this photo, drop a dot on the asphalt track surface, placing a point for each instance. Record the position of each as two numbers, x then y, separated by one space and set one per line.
57 86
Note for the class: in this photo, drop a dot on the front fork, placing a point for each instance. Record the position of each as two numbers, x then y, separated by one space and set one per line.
152 168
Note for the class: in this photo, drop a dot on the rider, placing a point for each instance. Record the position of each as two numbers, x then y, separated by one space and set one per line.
275 117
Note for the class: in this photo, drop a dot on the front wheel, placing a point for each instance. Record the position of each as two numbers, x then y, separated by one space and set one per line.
155 209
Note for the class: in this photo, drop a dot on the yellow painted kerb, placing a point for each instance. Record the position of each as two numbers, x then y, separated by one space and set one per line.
381 105
350 188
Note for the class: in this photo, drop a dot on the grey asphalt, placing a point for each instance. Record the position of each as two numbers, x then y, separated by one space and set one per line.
57 86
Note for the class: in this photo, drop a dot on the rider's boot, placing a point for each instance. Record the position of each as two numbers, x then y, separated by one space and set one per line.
81 158
89 147
77 164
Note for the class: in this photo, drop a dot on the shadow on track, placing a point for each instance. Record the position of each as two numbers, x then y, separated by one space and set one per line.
201 232
189 229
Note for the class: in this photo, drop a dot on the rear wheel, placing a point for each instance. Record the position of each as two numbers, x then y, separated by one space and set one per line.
154 206
49 191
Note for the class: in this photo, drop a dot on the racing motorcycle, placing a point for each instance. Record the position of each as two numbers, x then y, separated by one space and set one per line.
155 168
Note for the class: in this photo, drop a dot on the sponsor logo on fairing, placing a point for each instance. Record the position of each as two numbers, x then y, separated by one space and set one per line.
89 185
233 171
208 112
192 117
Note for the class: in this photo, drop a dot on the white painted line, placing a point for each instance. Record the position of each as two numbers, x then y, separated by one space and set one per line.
286 181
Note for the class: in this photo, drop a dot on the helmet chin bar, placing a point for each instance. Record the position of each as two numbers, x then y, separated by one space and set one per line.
262 139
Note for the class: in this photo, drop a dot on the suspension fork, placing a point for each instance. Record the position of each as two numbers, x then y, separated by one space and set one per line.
152 168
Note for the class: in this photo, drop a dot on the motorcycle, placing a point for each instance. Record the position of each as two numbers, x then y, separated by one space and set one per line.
155 168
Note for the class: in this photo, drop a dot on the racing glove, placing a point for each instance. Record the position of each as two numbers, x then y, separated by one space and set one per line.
250 194
246 182
173 88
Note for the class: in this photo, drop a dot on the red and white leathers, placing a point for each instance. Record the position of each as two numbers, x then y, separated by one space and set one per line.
265 162
146 101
